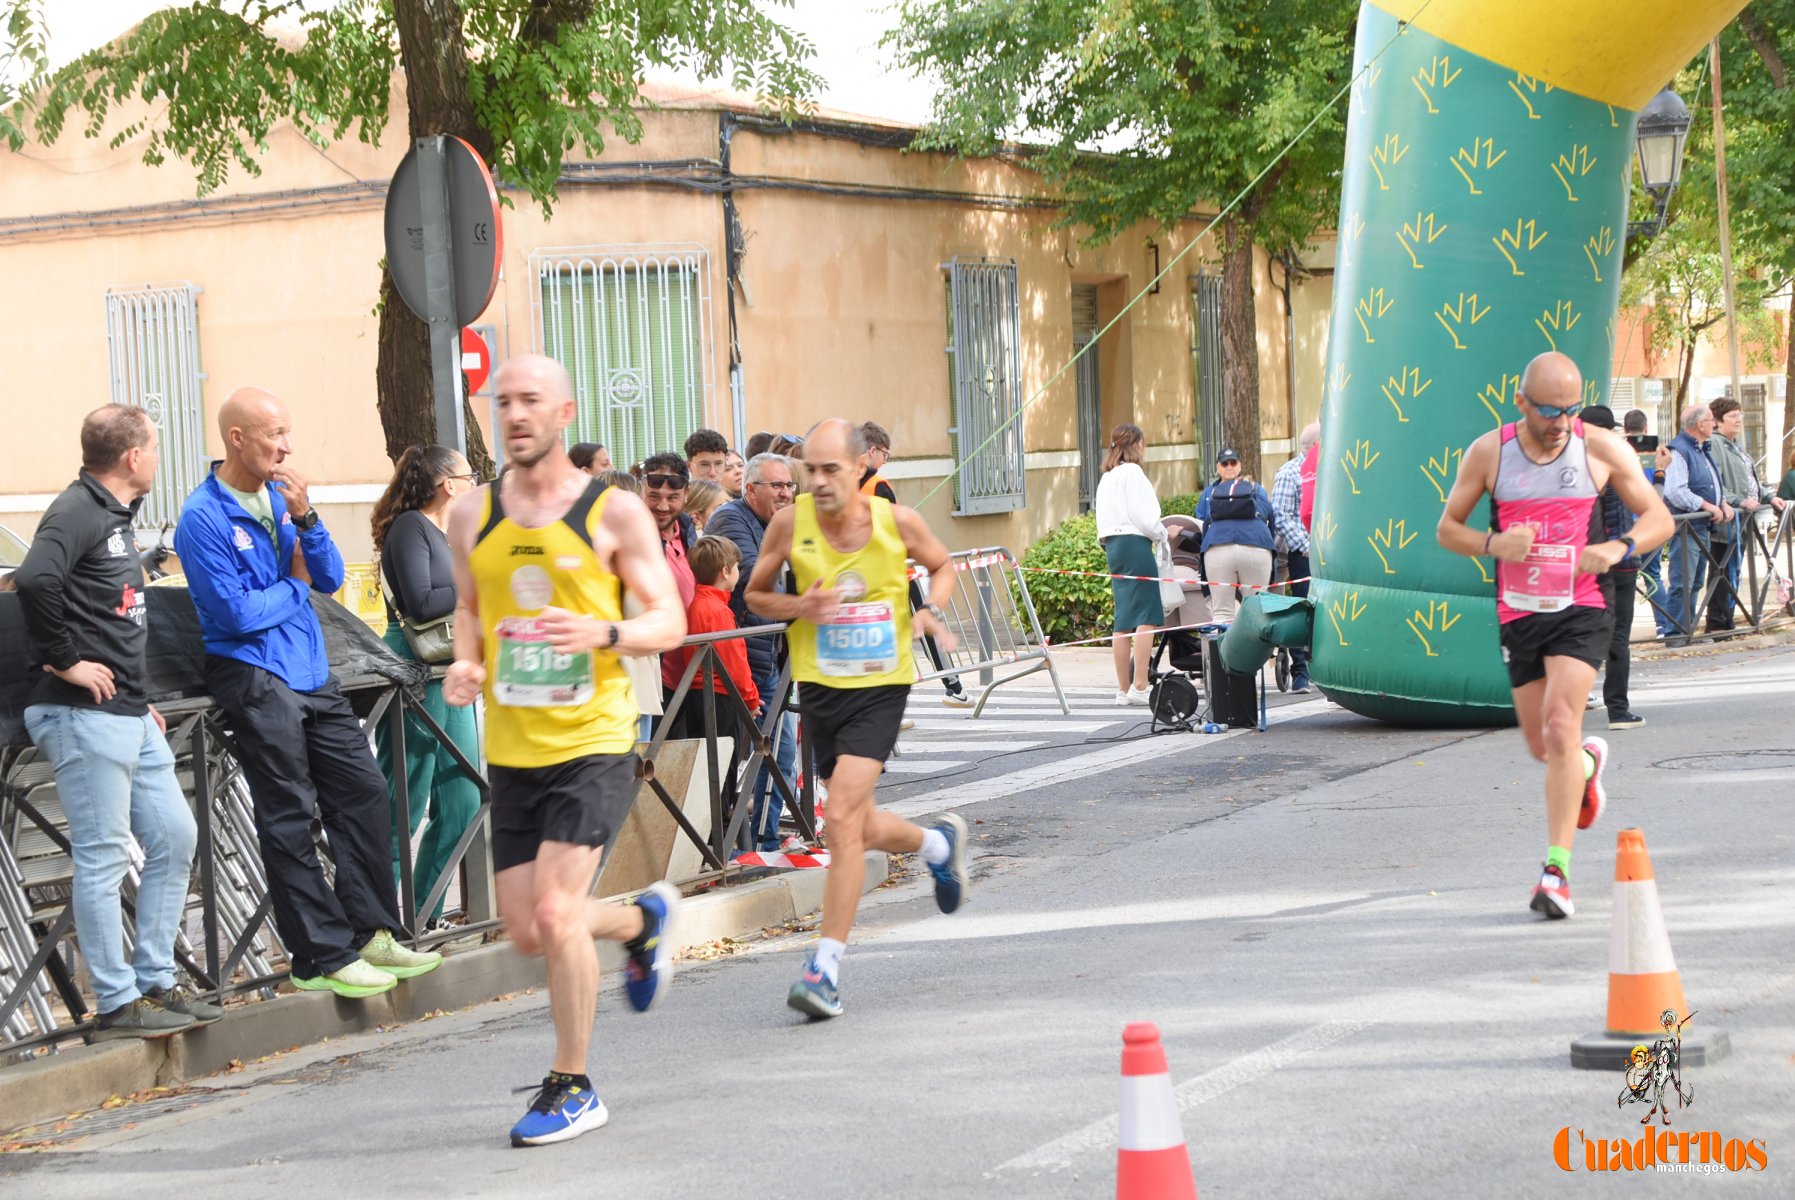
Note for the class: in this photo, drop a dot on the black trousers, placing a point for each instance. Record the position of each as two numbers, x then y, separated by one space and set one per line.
950 682
1720 608
1620 589
1299 569
306 758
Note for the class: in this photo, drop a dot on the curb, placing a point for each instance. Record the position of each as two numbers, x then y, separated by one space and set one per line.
83 1077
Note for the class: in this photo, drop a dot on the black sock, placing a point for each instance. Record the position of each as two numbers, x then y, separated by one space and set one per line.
650 923
572 1080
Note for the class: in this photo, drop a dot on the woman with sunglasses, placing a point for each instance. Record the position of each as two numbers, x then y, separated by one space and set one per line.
410 526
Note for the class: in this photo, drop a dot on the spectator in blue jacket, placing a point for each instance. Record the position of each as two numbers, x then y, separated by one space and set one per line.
1620 587
767 487
254 549
1237 535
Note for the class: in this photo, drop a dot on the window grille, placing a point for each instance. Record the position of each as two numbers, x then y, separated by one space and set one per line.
984 354
632 326
152 346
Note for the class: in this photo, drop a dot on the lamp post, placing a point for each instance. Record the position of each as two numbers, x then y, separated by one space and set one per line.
1659 135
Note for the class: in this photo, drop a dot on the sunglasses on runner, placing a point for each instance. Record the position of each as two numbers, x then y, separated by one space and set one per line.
671 482
1552 412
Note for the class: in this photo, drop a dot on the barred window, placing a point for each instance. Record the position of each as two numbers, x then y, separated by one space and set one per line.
984 355
631 325
152 347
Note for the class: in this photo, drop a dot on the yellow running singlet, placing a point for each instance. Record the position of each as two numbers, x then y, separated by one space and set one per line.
544 707
868 643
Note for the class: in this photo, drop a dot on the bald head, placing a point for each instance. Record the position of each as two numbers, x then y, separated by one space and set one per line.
256 430
1552 378
538 372
835 455
1311 433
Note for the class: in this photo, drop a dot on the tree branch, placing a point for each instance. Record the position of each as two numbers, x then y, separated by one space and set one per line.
1765 45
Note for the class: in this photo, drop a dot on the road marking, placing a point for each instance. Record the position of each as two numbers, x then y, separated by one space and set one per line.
911 766
1134 750
909 746
1105 1134
1001 725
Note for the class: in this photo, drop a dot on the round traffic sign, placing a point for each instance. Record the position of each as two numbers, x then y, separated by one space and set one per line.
476 236
476 359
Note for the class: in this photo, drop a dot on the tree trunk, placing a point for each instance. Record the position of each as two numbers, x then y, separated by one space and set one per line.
1240 347
1684 370
433 55
1779 457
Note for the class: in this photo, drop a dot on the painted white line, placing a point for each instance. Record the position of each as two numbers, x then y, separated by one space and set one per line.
1104 1135
1054 724
909 746
914 766
1133 750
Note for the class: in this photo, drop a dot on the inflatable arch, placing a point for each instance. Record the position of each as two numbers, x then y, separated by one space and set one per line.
1482 215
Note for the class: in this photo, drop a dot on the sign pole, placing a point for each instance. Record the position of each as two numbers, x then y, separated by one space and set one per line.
439 293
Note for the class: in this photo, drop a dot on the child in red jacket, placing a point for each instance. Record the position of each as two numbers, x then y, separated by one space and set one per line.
716 566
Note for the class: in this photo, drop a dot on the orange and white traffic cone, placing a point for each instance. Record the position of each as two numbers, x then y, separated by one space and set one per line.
1152 1163
1644 987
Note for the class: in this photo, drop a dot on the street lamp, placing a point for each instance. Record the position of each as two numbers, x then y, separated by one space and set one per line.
1663 125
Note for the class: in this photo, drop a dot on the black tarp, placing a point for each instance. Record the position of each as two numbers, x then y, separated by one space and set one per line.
175 659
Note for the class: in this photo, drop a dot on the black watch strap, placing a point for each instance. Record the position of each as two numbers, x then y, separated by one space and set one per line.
307 522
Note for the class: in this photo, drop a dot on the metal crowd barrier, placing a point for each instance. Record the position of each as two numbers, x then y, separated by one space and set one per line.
994 621
1765 595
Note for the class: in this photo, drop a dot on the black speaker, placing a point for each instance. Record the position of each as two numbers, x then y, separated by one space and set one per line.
1233 698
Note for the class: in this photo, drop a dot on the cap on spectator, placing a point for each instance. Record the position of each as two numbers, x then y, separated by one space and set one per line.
1228 454
1599 415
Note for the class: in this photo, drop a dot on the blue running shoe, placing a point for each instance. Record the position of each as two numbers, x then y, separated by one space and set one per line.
561 1112
950 876
651 954
814 995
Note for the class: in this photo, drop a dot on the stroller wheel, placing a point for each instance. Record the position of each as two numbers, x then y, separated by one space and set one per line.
1282 669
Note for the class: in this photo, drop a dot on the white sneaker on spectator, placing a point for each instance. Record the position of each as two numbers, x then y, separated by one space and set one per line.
1121 698
1138 695
1594 700
791 843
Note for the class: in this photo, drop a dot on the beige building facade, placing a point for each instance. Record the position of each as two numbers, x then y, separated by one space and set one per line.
727 271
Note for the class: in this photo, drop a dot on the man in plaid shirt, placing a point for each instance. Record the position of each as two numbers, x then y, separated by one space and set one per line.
1293 537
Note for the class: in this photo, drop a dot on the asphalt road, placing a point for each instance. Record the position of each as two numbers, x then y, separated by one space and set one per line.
1328 922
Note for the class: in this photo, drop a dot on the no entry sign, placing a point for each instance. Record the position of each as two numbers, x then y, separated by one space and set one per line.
476 359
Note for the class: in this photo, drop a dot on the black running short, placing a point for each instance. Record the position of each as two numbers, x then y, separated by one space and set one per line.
582 801
1578 632
859 721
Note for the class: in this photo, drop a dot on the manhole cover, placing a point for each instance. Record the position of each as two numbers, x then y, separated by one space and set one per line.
1733 760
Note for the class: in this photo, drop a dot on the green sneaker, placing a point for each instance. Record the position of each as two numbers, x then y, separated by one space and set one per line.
357 981
181 1000
384 952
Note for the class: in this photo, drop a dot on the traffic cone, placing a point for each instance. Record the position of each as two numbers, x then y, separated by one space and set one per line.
1644 987
1152 1163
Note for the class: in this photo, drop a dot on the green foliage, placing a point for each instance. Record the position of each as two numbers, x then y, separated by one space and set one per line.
1182 505
543 78
1193 100
1070 606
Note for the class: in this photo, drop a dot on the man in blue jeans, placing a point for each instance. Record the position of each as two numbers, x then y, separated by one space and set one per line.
81 589
1692 484
767 487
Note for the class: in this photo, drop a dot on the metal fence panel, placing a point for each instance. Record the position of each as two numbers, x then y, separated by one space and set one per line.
152 346
985 361
632 326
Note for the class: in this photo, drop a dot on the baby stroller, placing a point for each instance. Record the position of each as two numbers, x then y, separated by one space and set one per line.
1176 670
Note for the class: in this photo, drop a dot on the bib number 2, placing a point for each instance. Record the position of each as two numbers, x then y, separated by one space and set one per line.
1544 581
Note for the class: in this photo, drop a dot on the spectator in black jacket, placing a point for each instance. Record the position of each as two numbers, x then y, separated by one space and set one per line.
767 488
1620 587
410 527
81 587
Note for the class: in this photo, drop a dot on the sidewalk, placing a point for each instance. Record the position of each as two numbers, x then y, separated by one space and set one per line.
84 1077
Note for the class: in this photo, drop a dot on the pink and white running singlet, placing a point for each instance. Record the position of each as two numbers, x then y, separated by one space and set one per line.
1558 499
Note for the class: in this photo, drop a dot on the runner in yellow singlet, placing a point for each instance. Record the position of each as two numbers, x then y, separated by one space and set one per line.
850 635
541 561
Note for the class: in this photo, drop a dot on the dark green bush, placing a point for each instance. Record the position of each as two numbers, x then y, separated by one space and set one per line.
1184 505
1071 607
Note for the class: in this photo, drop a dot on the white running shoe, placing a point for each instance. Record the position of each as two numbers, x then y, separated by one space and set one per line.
1138 695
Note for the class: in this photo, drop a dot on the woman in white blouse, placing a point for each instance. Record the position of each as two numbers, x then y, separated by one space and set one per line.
1127 527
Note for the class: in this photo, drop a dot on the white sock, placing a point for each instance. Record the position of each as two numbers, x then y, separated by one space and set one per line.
828 954
935 849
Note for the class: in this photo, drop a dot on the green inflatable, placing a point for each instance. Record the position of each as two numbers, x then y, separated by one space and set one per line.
1483 212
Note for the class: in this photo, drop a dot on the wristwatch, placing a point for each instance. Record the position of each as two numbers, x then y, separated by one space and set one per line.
307 522
934 610
1626 539
616 635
